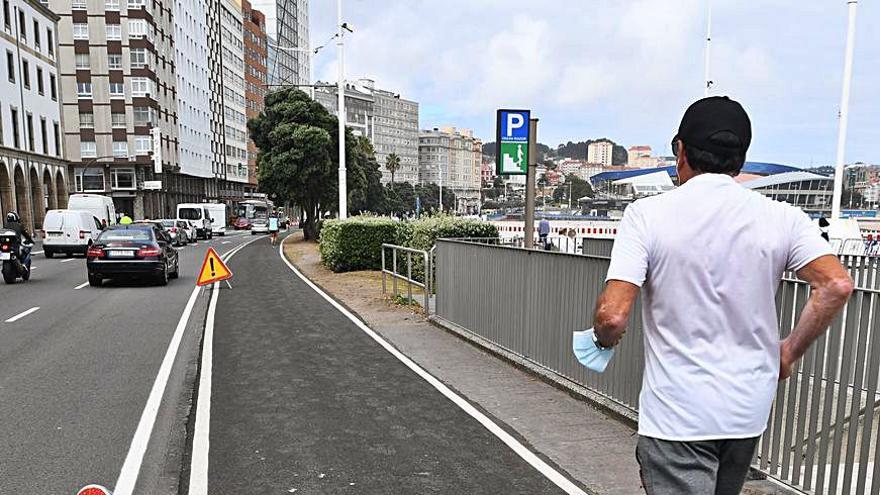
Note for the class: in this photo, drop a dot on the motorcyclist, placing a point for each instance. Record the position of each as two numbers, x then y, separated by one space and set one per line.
13 222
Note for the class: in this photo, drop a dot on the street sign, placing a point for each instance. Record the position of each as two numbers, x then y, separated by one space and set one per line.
152 185
93 490
157 149
213 269
512 142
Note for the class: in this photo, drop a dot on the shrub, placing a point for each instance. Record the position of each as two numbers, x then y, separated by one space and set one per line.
427 230
356 243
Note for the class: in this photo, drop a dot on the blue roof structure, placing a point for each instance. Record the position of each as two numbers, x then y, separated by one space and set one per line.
756 168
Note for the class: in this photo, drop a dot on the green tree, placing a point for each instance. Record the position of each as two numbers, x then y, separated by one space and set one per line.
392 164
298 159
578 188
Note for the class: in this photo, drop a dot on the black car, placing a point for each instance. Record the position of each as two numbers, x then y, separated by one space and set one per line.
132 251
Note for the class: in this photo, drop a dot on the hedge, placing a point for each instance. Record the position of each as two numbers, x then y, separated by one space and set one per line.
356 243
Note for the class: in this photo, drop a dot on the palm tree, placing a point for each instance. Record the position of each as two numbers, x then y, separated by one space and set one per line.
392 164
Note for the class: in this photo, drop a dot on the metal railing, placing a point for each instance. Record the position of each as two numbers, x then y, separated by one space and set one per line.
822 435
401 255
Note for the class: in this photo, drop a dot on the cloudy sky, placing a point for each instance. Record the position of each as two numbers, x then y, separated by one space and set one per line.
625 69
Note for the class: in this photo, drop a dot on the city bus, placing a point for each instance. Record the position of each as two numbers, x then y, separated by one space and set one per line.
249 210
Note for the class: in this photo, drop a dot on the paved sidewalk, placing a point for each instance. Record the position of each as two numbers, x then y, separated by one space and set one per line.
592 447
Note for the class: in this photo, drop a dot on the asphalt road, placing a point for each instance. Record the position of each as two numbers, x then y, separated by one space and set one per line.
76 373
303 401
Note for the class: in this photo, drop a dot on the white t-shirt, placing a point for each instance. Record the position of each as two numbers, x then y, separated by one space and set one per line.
709 257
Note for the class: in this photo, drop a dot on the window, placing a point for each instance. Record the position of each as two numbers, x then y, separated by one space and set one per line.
120 150
79 4
40 88
140 86
50 42
80 31
22 26
137 28
88 149
43 136
142 145
121 178
16 138
87 120
52 90
117 90
10 66
26 74
117 119
138 58
6 21
89 179
114 32
30 131
143 116
114 61
136 4
84 89
57 130
111 5
37 34
82 60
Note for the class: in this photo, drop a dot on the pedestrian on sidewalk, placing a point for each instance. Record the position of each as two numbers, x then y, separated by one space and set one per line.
709 256
544 233
273 227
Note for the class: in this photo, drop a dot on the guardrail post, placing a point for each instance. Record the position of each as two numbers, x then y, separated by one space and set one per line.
428 282
383 270
394 270
409 280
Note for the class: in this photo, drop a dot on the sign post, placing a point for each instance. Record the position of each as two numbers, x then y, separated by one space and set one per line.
530 184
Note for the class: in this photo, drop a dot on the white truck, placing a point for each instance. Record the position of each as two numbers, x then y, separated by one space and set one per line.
197 214
69 231
217 212
99 206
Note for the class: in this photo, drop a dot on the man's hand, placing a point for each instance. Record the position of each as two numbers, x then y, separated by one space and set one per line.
612 311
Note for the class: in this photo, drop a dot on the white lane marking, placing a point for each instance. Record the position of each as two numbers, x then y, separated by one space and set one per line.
225 242
527 455
23 314
80 286
68 260
198 473
131 468
36 252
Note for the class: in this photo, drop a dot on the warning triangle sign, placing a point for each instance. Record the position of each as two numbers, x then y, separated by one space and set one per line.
213 269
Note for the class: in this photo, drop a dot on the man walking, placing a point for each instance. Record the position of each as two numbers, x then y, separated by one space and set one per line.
708 257
544 233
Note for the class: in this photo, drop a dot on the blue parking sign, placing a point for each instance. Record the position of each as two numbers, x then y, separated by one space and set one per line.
512 141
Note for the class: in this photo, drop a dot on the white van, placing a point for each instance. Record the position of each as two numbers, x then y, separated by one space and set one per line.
69 231
217 214
96 204
196 213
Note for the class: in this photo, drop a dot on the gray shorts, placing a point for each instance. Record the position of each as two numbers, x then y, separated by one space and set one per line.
694 468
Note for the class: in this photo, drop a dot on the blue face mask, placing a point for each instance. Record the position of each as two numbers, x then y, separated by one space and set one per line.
588 353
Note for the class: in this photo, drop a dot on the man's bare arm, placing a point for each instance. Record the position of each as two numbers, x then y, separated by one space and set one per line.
612 311
831 287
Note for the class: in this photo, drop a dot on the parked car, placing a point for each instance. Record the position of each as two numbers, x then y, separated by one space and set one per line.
242 223
177 230
69 232
189 231
141 250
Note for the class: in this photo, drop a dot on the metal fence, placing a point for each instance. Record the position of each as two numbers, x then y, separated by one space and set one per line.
401 267
822 435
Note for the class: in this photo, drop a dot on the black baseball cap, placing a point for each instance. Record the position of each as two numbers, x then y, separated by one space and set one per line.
707 117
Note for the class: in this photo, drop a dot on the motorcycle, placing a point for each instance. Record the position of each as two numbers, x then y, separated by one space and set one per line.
15 256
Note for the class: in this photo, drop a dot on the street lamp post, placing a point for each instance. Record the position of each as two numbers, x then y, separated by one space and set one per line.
340 89
844 111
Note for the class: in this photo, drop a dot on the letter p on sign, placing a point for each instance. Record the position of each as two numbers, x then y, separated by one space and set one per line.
514 121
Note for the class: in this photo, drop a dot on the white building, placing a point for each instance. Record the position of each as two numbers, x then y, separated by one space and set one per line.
234 106
600 152
193 90
451 158
33 173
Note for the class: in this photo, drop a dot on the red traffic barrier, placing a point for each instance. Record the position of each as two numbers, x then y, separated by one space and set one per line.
93 490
